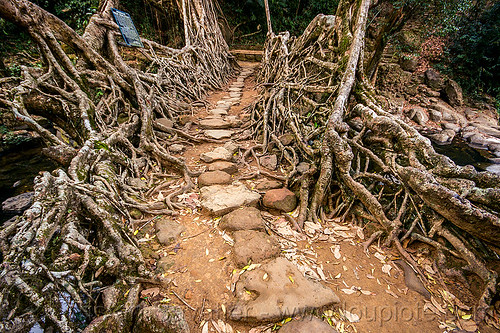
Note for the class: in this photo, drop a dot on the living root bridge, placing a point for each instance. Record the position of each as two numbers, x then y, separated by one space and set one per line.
364 163
77 239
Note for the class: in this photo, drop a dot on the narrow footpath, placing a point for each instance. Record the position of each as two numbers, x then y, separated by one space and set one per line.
234 263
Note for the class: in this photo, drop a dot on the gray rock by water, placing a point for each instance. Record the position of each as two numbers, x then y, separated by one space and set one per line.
275 296
245 218
454 93
225 166
254 246
219 199
161 319
19 203
307 325
214 178
282 199
167 231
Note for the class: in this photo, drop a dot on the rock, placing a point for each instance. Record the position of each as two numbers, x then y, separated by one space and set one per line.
164 264
408 64
218 134
110 298
167 231
161 319
307 325
228 167
451 126
220 111
435 115
267 184
135 213
303 167
254 246
419 115
9 222
286 139
231 147
176 148
233 121
443 137
233 94
276 296
454 93
269 162
219 199
411 279
282 199
245 218
165 122
214 178
433 79
214 123
19 203
219 153
184 119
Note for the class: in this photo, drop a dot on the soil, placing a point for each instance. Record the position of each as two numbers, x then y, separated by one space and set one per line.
202 269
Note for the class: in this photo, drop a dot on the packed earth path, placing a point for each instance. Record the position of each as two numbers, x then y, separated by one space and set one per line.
233 260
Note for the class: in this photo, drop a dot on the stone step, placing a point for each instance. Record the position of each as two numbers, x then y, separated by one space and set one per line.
214 123
219 199
218 134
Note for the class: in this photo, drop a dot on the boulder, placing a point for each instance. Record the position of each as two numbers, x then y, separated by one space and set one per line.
214 178
433 79
176 148
18 204
220 199
454 93
435 115
282 199
225 166
161 319
442 138
278 290
307 325
269 162
419 115
408 64
286 139
254 246
245 218
219 153
110 323
110 298
167 231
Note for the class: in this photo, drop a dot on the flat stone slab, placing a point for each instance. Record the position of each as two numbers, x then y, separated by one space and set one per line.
19 203
273 296
219 153
218 134
225 166
235 89
234 100
214 123
219 111
214 178
253 246
245 218
220 199
235 94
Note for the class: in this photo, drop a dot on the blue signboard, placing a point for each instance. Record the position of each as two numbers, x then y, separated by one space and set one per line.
127 28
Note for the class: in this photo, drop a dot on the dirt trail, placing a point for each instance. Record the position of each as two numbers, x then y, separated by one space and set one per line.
201 270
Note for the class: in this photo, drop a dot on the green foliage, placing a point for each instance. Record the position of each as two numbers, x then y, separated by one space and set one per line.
475 53
75 13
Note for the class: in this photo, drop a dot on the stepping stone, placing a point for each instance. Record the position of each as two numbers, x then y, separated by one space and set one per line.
240 80
214 178
218 134
234 100
167 231
165 122
176 148
281 199
274 296
219 111
235 89
227 167
246 218
220 200
237 85
254 246
307 325
235 94
231 147
214 123
219 153
234 121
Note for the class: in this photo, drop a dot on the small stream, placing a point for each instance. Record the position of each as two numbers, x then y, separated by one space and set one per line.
18 168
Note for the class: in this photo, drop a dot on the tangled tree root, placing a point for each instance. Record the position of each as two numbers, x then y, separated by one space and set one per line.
77 237
367 164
